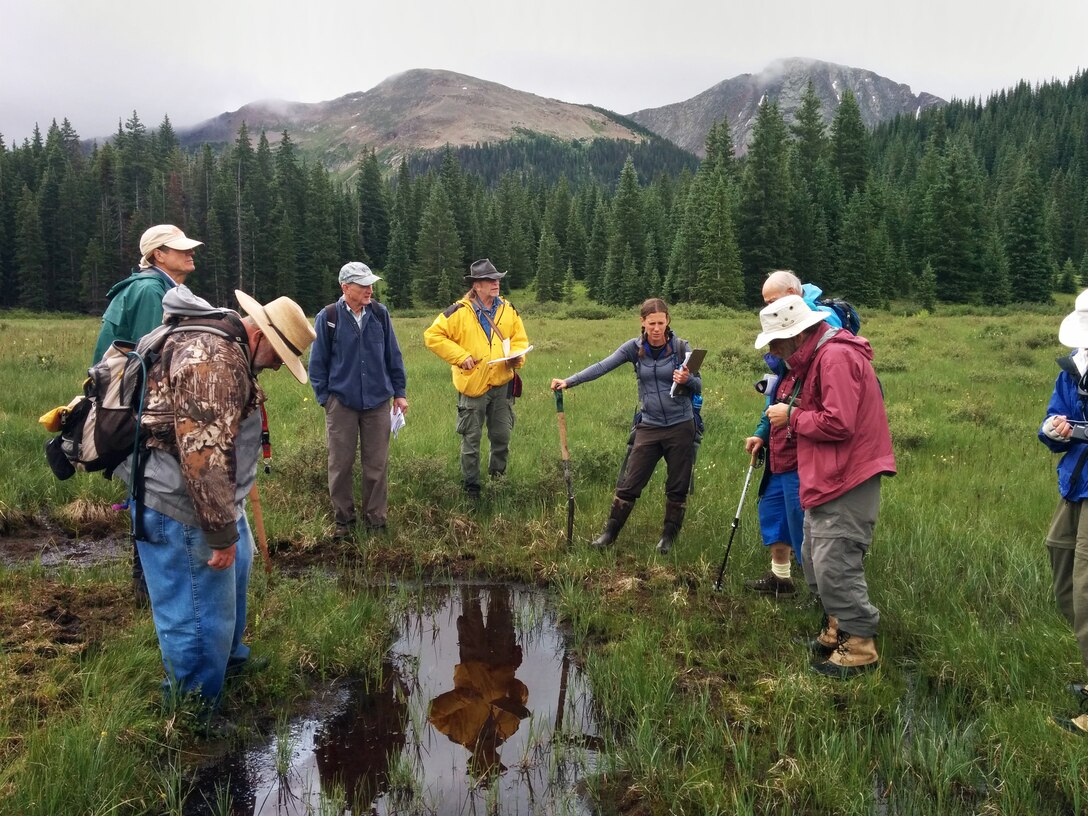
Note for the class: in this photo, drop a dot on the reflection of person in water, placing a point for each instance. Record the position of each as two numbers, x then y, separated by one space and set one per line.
487 703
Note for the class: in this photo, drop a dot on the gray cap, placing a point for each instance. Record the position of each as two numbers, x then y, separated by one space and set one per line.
357 272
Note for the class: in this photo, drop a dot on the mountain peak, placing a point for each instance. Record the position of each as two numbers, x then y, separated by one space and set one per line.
785 81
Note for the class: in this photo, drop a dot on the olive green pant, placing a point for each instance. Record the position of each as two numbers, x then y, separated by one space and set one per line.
1067 542
495 408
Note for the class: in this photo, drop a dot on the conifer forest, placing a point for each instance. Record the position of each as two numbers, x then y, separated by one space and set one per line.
974 202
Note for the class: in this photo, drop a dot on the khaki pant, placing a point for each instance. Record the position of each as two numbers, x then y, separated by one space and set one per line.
837 536
496 408
1067 542
367 431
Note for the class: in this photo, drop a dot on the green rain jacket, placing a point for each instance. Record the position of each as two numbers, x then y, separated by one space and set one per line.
135 308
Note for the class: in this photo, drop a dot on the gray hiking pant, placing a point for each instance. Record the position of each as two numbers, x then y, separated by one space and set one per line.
837 536
1067 542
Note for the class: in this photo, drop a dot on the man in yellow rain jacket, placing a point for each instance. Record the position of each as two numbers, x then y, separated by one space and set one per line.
478 336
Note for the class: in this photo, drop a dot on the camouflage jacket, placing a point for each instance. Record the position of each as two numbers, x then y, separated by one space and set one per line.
200 411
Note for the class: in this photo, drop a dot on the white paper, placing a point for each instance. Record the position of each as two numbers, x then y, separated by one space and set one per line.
513 356
396 420
687 356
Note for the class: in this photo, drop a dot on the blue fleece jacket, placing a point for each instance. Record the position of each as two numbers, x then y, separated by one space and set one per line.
363 367
1065 402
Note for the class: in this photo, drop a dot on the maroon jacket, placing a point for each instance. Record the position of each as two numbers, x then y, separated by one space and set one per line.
838 419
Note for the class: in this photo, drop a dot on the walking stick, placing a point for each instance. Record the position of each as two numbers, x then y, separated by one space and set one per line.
736 518
566 463
258 522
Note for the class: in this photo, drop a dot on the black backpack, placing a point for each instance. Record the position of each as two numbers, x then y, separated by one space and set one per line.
99 428
847 314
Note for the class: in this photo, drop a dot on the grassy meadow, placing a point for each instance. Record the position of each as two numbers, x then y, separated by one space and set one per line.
707 697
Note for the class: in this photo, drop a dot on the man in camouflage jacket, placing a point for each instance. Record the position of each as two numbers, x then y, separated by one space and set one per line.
200 413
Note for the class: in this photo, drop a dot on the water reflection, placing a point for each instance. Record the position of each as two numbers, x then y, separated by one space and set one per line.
487 703
479 710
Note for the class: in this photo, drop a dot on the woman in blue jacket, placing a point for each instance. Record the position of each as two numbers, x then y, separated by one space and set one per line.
664 425
1066 541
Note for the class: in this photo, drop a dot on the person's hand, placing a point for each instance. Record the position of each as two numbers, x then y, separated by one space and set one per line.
681 375
778 414
222 559
558 385
752 445
468 363
401 404
1058 428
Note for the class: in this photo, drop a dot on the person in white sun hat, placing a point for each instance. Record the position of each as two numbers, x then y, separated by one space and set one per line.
1063 431
830 401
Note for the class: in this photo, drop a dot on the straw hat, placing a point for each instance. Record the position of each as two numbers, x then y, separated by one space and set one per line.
786 317
1074 329
285 325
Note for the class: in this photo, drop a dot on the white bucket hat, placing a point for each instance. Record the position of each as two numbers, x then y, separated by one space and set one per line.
786 317
1074 330
285 325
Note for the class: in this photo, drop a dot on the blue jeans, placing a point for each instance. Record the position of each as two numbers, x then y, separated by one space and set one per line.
199 612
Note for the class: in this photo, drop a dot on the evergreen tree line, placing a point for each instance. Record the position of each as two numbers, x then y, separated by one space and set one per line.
971 202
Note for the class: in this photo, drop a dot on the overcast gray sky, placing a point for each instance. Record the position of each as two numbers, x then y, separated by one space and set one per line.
95 61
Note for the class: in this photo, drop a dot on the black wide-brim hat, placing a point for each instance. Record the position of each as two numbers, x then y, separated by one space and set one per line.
483 270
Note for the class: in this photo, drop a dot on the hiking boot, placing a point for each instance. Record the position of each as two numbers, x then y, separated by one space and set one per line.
854 655
828 640
771 584
670 529
617 517
472 492
1075 725
342 532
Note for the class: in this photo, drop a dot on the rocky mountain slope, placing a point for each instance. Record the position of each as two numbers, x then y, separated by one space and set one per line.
687 123
416 110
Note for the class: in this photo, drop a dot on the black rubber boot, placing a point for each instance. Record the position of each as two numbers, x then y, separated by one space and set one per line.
674 518
616 519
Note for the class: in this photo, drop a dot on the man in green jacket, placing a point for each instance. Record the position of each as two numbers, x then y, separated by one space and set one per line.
136 302
166 260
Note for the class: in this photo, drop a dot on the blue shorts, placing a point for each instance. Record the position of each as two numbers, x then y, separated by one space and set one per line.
781 519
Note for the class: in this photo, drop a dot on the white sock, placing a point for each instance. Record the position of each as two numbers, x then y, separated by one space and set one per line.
781 571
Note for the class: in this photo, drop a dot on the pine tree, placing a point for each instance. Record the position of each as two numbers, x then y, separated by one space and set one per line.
30 254
373 211
439 254
597 252
398 266
849 145
926 290
549 275
1025 242
1067 277
719 280
762 231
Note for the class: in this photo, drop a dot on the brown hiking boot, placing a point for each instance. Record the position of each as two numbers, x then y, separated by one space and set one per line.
771 584
1077 725
828 640
854 655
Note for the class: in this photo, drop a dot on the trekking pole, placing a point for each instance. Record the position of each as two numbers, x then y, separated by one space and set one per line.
565 452
258 522
736 518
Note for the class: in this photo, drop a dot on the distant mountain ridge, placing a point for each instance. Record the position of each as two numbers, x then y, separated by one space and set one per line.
687 123
420 109
423 110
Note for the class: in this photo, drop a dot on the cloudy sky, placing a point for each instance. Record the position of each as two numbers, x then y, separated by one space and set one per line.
95 61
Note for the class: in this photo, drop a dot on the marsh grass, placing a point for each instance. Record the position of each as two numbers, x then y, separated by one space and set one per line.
707 699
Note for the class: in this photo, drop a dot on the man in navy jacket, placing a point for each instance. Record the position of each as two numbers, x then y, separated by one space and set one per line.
355 369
